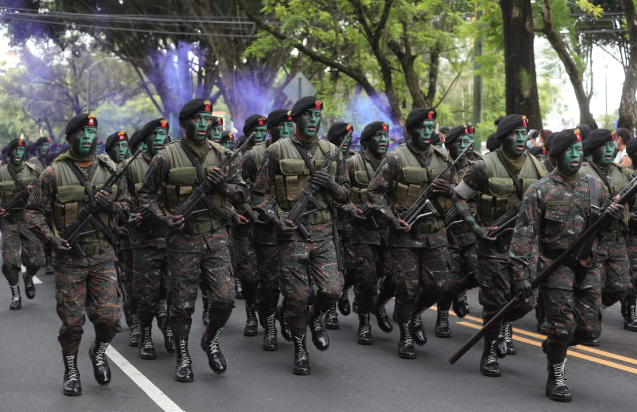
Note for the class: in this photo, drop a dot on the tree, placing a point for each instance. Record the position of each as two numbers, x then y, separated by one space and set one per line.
627 106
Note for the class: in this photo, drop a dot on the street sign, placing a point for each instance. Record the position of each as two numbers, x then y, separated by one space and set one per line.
298 87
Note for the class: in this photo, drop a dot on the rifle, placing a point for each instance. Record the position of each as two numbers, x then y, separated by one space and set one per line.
504 223
367 212
299 209
628 192
415 211
19 198
74 231
188 209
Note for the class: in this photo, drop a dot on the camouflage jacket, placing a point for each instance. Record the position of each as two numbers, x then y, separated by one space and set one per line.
250 165
361 232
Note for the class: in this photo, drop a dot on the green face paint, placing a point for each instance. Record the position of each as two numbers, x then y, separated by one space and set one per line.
472 139
571 160
607 154
88 136
379 143
217 133
143 146
43 150
348 138
310 122
196 129
286 130
18 156
122 149
262 132
515 143
423 134
158 141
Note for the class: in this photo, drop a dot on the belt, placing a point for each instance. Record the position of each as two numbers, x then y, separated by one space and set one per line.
317 218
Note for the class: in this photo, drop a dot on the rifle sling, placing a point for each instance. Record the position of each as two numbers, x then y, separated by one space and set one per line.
423 164
80 176
604 179
190 155
516 182
585 249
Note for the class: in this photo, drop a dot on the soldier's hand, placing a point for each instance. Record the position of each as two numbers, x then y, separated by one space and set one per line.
105 201
616 210
633 216
255 218
29 189
522 286
218 178
121 231
443 187
59 245
173 223
399 225
240 219
3 213
322 179
284 227
482 233
357 215
135 219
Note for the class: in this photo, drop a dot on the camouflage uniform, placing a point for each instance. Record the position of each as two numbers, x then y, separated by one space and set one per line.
38 161
83 284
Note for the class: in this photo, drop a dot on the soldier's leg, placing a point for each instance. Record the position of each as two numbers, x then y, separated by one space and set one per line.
469 266
386 291
434 273
629 305
247 274
128 268
268 291
405 264
147 265
457 283
32 258
11 261
368 267
618 280
349 275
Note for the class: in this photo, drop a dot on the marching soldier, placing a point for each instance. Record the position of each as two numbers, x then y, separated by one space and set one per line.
227 140
116 147
214 130
42 147
629 304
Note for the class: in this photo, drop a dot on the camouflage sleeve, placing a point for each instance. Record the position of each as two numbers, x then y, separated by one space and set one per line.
248 164
380 188
349 165
123 201
262 201
342 178
150 192
476 175
236 190
39 204
526 232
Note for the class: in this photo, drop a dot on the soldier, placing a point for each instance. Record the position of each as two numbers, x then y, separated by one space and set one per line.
15 176
263 237
498 182
291 164
372 256
63 188
176 171
335 135
42 147
214 130
611 248
419 259
493 143
629 304
553 214
227 140
116 147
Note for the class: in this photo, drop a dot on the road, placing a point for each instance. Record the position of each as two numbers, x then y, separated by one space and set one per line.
347 377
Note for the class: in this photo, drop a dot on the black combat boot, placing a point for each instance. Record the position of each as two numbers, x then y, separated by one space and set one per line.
343 303
556 388
127 315
542 326
501 348
301 357
406 348
270 343
101 369
252 326
508 337
460 304
161 313
420 336
169 339
285 328
384 323
238 290
216 360
364 329
49 266
319 335
29 287
331 318
354 306
630 317
133 339
442 324
16 299
146 345
183 370
489 360
72 385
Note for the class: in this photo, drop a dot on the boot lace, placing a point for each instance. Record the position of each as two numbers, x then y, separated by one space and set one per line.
417 320
632 312
183 352
252 319
365 327
382 312
237 284
461 297
332 314
508 328
135 326
317 325
100 352
558 370
443 321
409 340
213 346
168 333
271 331
301 353
493 357
15 292
72 369
148 341
161 309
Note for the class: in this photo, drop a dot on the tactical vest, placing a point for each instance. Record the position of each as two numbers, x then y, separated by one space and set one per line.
183 180
362 169
8 189
139 167
498 194
259 154
35 160
71 197
293 177
412 180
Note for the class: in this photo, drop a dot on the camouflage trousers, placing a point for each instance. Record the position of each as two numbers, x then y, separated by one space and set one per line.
86 285
463 264
16 236
150 269
574 315
615 271
245 263
190 257
372 263
347 251
269 289
631 249
421 276
129 281
300 262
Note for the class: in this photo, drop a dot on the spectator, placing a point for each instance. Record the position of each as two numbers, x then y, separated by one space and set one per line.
622 136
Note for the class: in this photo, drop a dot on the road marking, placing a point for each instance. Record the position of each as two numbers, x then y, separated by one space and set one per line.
153 392
36 281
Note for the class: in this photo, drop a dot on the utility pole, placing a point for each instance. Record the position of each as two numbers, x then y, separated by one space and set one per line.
477 78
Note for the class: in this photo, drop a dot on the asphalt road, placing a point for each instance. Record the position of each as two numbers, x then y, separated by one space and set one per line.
347 377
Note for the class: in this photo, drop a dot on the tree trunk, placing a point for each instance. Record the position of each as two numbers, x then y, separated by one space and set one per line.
627 107
519 61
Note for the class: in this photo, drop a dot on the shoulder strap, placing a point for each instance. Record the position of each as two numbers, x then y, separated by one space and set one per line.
604 179
80 176
362 155
518 188
303 155
194 161
538 166
592 191
14 177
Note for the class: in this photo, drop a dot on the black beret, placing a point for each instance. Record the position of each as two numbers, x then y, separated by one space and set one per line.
435 139
598 137
563 140
509 124
193 107
419 115
444 129
42 140
548 140
535 150
79 121
306 103
278 116
493 143
455 133
584 129
631 147
337 131
114 138
226 135
150 127
12 145
214 122
252 122
135 139
470 129
372 128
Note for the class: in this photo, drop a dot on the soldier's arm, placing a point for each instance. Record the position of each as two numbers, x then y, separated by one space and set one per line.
236 190
349 166
247 165
151 190
525 236
380 188
341 196
39 204
262 201
470 183
123 201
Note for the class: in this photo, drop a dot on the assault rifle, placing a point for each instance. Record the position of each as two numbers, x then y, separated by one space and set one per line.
189 208
627 193
21 197
367 212
299 209
504 223
87 215
415 211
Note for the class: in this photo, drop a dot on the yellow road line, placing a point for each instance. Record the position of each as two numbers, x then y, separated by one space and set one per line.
570 352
